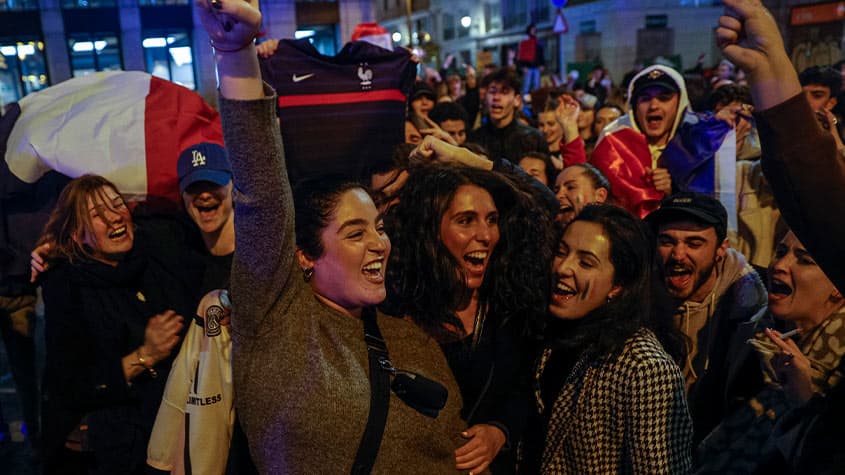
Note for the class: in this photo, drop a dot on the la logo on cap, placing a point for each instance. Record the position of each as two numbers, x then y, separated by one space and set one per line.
198 159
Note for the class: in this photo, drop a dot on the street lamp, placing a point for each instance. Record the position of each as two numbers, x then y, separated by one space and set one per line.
466 21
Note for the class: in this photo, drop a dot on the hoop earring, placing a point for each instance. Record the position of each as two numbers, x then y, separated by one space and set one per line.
307 274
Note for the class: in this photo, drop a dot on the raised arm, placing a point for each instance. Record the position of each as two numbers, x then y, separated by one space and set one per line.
800 160
232 26
264 217
749 37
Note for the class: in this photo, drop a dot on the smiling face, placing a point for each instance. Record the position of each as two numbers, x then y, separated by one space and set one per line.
551 129
111 234
209 205
688 254
502 103
656 109
469 229
350 273
798 289
583 274
574 191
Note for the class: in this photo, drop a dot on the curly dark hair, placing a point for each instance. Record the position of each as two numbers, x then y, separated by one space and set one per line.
640 303
427 283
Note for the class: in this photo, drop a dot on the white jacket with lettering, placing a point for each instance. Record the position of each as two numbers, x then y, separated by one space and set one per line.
194 423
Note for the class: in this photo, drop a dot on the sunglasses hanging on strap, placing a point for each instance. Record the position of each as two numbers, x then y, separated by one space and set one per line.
422 394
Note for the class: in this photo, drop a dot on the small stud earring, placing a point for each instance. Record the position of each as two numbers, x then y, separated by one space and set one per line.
307 274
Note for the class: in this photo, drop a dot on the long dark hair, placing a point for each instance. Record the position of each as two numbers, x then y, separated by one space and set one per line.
640 303
427 283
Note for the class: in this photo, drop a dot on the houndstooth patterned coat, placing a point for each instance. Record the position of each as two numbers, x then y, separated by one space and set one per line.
626 414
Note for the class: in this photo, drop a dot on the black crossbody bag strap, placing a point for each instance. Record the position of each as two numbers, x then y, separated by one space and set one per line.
379 395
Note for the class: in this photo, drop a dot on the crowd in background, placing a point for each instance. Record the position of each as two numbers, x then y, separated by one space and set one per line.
579 277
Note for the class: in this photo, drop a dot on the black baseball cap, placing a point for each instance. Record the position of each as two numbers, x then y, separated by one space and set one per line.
699 207
423 89
656 77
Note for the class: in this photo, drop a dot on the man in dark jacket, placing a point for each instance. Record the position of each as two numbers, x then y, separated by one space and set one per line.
503 136
716 290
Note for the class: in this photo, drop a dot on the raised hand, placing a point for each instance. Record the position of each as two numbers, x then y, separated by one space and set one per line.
748 35
435 130
432 148
267 47
230 24
567 115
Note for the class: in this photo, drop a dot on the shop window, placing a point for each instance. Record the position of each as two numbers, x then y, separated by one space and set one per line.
89 54
449 23
22 70
169 56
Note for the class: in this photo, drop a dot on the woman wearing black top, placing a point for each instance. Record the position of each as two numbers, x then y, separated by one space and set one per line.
110 328
468 267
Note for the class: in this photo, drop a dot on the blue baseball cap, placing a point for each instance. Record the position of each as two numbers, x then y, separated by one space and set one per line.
204 161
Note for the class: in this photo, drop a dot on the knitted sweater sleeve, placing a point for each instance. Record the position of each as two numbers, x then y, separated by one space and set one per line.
659 426
264 218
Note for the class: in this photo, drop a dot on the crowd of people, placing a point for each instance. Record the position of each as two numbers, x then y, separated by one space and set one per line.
540 280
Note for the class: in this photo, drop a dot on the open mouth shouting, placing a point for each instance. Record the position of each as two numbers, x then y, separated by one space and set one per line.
654 121
678 276
476 262
566 212
373 271
778 289
206 208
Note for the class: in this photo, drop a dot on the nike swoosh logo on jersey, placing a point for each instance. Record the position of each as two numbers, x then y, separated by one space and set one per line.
301 78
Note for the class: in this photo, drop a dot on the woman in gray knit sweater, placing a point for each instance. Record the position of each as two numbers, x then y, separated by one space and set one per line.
299 358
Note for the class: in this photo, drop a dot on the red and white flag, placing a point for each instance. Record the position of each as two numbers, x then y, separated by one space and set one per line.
128 126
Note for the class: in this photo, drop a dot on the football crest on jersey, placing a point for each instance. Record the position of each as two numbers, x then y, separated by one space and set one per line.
365 74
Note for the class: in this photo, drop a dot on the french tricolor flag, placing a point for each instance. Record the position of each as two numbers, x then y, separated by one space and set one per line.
128 126
700 157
